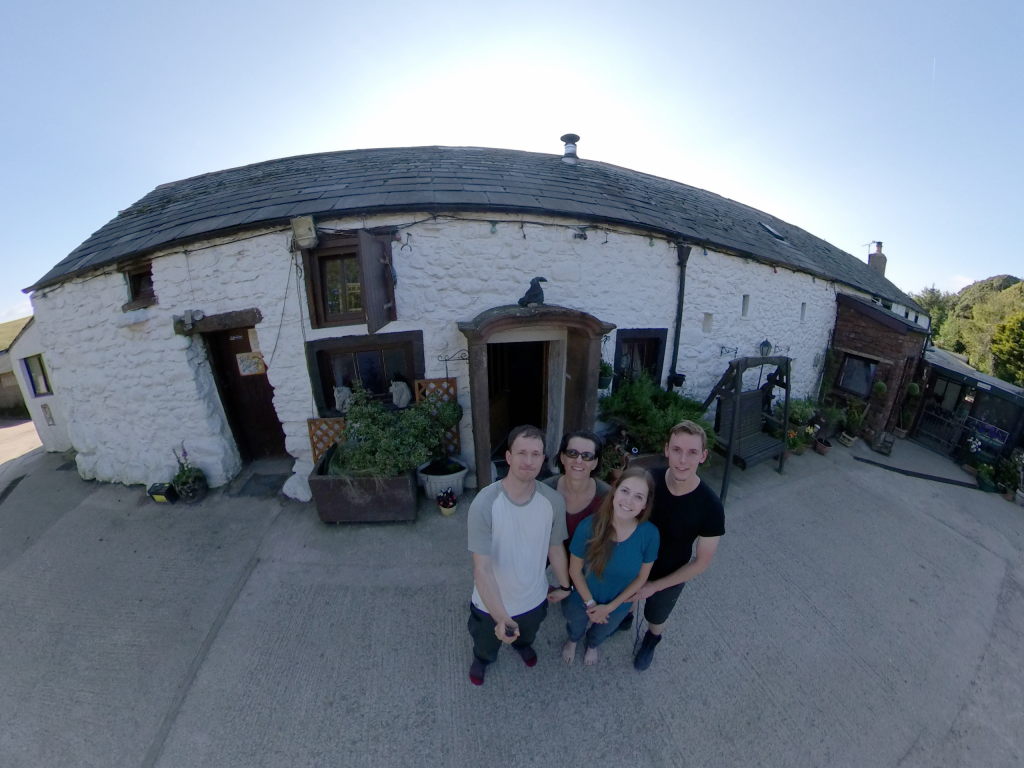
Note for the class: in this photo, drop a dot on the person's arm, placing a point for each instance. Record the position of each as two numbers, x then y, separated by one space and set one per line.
706 548
578 579
487 586
599 613
560 567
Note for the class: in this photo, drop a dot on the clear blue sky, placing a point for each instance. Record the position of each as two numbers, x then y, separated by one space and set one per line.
894 121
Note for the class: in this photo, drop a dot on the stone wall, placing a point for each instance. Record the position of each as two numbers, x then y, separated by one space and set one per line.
133 389
53 431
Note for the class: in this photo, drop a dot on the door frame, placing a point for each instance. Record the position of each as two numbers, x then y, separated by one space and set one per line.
573 358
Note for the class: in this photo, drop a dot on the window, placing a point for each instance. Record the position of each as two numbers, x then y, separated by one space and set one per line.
349 281
803 311
856 375
139 279
372 361
36 373
746 304
708 322
640 350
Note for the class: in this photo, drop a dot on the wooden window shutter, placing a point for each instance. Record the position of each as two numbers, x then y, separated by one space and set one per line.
375 275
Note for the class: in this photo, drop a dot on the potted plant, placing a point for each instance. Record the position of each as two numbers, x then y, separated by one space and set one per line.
604 374
368 475
442 472
189 481
832 420
986 474
446 501
853 421
647 412
822 445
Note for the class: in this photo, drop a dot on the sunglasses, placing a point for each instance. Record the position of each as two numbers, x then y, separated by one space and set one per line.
572 453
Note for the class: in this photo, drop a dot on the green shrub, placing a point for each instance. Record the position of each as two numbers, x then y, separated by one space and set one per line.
648 412
379 442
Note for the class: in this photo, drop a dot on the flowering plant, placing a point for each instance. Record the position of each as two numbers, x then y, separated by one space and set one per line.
446 498
973 443
187 471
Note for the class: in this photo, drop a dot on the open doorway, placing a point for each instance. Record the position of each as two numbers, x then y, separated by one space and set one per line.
517 375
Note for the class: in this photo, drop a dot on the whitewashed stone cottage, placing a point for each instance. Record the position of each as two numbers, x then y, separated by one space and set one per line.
213 312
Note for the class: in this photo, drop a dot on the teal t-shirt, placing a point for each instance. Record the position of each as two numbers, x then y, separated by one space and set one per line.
625 562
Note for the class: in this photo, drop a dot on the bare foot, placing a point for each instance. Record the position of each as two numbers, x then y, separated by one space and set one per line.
590 657
569 652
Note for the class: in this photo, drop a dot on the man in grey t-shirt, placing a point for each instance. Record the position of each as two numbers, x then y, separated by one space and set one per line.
516 526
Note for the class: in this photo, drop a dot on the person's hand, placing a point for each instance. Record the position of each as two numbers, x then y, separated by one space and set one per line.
644 592
558 595
598 614
501 634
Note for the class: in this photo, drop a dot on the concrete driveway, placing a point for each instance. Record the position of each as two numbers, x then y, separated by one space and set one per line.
853 617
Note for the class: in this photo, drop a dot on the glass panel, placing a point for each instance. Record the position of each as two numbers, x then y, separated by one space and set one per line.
856 375
395 365
37 375
333 280
344 369
371 371
353 291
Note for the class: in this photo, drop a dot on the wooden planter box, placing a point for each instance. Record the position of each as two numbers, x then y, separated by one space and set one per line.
362 499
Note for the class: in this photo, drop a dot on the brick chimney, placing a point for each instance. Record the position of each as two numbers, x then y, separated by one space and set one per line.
877 259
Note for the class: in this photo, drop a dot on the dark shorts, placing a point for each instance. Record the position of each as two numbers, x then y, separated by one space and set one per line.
658 606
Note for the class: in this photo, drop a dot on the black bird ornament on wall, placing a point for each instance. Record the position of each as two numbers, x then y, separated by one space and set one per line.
534 295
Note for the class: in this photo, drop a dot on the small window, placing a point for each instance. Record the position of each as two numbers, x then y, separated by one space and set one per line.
370 361
746 304
139 279
856 375
708 323
640 350
36 373
803 311
349 281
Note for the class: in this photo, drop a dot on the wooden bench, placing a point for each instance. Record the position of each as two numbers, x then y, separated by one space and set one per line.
752 443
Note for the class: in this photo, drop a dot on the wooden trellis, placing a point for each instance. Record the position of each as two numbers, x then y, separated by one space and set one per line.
323 433
446 390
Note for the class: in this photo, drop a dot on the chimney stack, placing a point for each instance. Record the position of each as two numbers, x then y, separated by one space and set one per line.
877 259
570 140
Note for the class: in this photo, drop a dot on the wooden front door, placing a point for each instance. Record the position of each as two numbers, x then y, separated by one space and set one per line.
245 392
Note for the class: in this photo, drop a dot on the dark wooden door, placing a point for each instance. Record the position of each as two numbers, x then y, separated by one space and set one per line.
246 393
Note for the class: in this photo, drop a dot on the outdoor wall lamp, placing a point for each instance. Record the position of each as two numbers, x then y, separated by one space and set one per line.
765 347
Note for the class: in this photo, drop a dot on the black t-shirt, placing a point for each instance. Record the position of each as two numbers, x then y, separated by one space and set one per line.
680 520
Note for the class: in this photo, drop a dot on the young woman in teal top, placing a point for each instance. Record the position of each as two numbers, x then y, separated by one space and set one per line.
610 557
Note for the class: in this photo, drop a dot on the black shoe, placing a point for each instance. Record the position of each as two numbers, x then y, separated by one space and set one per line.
627 623
645 655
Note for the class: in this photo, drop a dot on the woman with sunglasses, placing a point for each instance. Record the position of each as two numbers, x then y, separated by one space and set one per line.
610 558
578 459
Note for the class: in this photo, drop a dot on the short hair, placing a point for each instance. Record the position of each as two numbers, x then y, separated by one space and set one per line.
525 430
689 428
585 434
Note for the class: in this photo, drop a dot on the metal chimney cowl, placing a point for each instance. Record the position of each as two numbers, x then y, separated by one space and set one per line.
570 140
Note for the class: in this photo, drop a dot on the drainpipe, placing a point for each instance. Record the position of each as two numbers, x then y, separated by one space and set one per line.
676 379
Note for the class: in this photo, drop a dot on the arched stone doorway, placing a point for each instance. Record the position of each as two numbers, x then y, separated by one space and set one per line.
531 365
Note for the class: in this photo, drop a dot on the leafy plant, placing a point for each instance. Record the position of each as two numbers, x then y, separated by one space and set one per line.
854 417
985 472
648 412
605 369
1007 474
188 473
878 389
801 410
379 442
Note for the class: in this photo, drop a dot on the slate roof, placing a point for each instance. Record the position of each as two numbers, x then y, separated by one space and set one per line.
951 363
9 331
435 179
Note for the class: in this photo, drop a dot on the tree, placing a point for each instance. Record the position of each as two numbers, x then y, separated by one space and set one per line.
936 303
1008 349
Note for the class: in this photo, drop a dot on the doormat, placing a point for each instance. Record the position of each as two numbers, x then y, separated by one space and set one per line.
912 473
263 486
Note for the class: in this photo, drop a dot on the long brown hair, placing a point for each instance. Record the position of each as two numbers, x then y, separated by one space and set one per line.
602 542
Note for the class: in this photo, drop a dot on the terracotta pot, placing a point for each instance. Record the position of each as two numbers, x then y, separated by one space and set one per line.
822 446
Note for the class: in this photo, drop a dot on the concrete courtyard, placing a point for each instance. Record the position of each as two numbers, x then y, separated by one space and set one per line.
853 616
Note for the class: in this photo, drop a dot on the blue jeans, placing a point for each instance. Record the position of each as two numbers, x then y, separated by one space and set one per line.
576 621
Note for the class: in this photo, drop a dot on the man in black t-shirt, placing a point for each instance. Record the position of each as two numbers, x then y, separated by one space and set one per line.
686 511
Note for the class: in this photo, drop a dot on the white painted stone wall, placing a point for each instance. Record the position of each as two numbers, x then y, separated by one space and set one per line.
134 390
715 286
53 436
